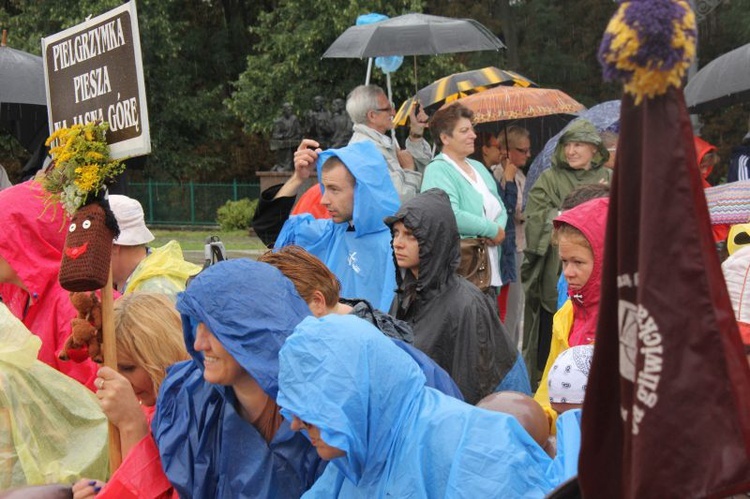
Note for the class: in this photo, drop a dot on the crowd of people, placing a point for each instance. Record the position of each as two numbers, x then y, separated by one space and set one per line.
353 359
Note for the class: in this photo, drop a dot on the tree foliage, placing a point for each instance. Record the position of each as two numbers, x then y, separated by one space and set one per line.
286 65
217 71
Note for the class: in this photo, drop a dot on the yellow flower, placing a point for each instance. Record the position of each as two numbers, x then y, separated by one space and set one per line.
94 156
87 177
82 164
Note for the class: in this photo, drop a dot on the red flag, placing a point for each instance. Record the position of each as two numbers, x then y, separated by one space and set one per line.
667 409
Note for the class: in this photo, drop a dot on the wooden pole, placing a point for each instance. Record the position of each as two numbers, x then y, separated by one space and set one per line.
109 350
4 40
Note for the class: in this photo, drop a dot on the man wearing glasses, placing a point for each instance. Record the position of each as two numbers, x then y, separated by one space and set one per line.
372 114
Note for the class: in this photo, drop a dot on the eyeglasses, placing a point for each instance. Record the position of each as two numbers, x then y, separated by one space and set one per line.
526 151
385 109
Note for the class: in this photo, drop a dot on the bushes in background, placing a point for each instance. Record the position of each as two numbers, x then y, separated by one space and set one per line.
236 215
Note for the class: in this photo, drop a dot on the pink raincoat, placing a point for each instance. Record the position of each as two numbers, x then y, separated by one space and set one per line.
31 242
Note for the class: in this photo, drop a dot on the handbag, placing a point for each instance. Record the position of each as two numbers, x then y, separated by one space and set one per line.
475 262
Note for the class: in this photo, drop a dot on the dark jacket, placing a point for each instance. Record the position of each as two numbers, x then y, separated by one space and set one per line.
401 334
453 321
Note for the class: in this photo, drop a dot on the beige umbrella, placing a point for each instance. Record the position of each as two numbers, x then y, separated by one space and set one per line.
514 103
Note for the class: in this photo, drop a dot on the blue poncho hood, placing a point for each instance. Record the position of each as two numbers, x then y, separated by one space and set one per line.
207 449
251 326
401 438
360 258
374 194
352 374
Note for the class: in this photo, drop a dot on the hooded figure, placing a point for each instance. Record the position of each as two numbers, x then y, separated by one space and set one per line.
401 439
453 321
52 427
358 252
705 151
207 449
575 323
707 157
32 242
541 264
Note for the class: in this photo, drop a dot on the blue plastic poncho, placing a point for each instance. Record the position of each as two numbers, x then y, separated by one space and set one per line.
565 465
206 448
360 258
401 438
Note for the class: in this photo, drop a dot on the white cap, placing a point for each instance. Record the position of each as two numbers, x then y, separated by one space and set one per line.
130 219
567 379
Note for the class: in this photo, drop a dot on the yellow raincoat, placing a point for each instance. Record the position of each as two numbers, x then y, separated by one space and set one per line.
164 270
51 427
561 325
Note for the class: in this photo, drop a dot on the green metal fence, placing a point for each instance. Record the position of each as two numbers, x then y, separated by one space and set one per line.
189 203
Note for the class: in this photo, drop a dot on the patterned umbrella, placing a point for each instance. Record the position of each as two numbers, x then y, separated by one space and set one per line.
459 85
514 103
455 86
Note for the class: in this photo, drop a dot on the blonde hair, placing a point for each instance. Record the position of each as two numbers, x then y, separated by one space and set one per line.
570 232
149 329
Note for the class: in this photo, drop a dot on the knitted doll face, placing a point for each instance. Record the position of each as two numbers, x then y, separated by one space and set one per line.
80 231
87 253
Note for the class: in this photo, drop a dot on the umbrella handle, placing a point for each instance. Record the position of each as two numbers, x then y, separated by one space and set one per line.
369 71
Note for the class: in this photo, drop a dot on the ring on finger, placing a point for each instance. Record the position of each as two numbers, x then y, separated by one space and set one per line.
100 383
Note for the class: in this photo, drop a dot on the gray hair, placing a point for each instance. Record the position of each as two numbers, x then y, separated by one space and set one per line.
361 100
510 136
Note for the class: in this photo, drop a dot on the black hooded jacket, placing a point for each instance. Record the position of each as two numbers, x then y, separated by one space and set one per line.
453 321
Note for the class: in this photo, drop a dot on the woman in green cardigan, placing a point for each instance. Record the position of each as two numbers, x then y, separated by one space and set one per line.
470 186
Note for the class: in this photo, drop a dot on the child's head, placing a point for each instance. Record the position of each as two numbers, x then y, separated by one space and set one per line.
568 378
579 236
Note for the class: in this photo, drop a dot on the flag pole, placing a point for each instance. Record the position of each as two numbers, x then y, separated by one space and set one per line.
109 350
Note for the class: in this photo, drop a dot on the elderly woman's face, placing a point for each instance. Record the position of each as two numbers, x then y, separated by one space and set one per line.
579 154
461 140
220 367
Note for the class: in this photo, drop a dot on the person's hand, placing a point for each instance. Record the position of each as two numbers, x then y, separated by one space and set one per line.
85 487
119 403
509 171
405 159
417 120
305 157
498 239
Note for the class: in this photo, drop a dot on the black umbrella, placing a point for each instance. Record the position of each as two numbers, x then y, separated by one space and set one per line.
721 82
414 34
23 98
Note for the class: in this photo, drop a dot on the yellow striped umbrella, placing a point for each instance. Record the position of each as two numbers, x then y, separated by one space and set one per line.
455 86
459 85
514 103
